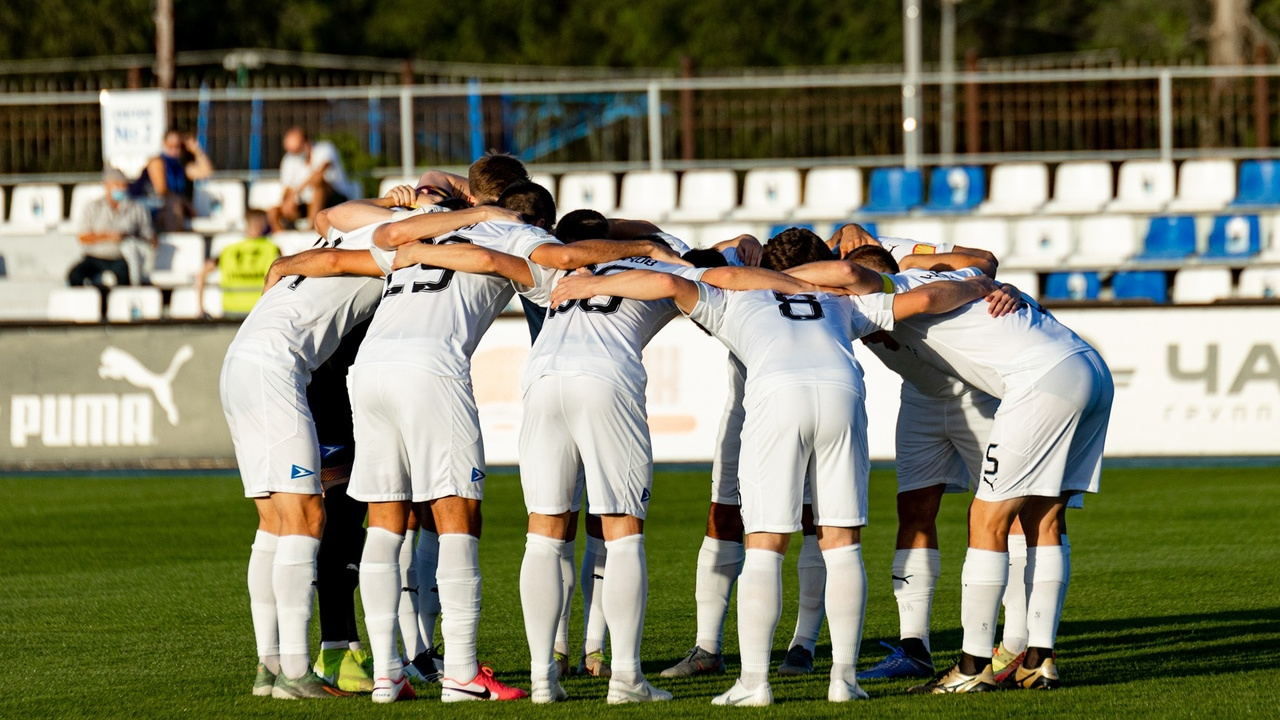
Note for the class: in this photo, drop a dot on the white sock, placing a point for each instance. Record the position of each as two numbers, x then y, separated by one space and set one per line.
812 573
625 596
425 559
1066 572
915 576
458 577
262 600
381 595
984 576
594 625
719 562
1015 597
541 598
759 609
846 606
293 577
1045 575
568 581
410 591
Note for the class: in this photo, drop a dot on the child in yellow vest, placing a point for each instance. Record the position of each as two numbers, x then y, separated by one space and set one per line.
242 269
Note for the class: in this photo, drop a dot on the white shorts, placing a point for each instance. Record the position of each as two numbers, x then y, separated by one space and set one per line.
940 441
724 466
799 432
417 435
573 422
1047 439
271 427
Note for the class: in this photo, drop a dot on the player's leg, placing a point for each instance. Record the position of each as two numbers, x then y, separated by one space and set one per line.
591 580
262 597
428 665
1013 642
1045 577
812 574
719 563
293 577
410 590
381 592
568 583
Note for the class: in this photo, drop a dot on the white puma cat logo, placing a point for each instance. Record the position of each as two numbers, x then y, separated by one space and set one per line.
120 365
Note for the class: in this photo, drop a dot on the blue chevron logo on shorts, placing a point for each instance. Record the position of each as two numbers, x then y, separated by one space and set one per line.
476 475
644 496
327 451
300 472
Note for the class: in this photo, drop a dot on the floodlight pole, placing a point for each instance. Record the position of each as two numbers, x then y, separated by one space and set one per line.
164 44
947 121
911 53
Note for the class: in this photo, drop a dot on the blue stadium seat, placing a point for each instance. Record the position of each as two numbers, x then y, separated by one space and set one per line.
775 229
1259 183
1140 285
1170 237
895 190
1072 286
956 189
1235 236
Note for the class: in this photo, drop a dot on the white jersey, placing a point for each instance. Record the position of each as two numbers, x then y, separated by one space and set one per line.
603 336
991 354
297 324
900 248
433 318
792 339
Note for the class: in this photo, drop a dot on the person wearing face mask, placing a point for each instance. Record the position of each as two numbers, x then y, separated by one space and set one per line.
105 226
167 183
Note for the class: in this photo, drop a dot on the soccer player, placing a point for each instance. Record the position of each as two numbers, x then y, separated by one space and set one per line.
292 329
804 416
1045 446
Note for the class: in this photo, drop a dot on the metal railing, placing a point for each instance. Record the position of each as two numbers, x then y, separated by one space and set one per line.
625 123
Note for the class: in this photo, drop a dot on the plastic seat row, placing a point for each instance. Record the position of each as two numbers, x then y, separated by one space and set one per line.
1189 286
127 304
39 207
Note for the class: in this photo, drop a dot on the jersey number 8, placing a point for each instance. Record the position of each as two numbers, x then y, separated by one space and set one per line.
799 307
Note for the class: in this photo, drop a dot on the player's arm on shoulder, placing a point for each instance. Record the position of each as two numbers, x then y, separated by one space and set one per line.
323 262
624 229
457 184
355 214
751 278
942 262
421 227
633 284
748 247
941 297
465 257
572 256
853 277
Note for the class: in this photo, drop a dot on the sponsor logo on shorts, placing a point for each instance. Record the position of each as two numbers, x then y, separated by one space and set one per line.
300 472
476 475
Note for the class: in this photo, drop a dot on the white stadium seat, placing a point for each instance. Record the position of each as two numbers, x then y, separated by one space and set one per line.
1025 280
926 230
386 183
1201 285
82 195
44 257
546 180
1042 242
265 194
1104 240
769 195
126 304
647 195
182 304
1204 186
27 300
75 304
1017 189
985 233
706 196
1146 186
1080 188
830 193
292 242
179 258
1259 283
221 241
718 232
36 207
220 205
595 190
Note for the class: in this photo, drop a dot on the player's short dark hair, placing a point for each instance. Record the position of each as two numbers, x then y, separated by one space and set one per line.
705 258
582 224
793 247
454 203
532 201
873 257
491 175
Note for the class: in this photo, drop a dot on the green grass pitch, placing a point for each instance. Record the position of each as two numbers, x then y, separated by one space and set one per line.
125 598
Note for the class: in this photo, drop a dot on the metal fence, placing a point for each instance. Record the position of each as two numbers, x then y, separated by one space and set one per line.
629 123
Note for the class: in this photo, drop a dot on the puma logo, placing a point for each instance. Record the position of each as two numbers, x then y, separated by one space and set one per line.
412 590
988 482
116 364
906 578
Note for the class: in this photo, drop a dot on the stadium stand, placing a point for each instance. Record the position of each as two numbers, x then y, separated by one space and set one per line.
595 190
265 194
956 189
546 180
1140 285
1025 280
292 242
219 205
1201 285
1040 242
769 194
830 193
1259 283
1017 189
34 208
1080 188
1259 184
179 258
705 196
1204 186
182 304
647 195
1169 237
985 233
75 304
895 190
26 299
1072 286
126 304
711 234
1104 240
922 229
1234 237
82 194
1146 186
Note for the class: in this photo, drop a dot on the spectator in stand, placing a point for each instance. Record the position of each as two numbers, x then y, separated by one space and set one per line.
167 183
242 268
111 228
313 180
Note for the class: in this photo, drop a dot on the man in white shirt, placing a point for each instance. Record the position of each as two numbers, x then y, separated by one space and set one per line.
313 180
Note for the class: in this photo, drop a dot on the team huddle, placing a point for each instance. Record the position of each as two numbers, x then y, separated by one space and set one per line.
348 394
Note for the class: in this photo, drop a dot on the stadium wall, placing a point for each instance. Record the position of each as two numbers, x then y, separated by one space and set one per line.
1190 381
